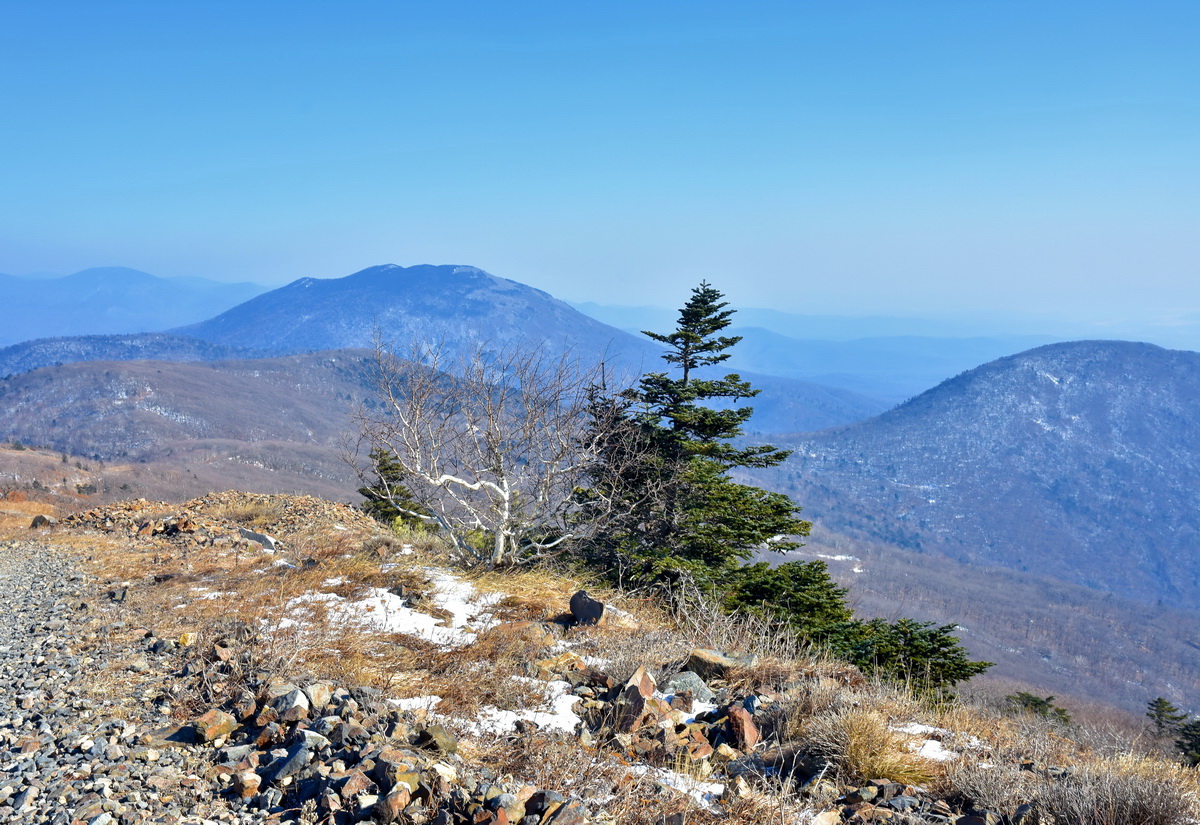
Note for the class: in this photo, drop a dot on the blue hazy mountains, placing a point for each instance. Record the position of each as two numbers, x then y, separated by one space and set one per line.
109 300
463 306
1077 461
457 305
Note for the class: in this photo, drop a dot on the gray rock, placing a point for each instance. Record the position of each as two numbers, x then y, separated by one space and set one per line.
689 680
268 543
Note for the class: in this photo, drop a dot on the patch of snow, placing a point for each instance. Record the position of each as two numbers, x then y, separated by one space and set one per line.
705 793
557 714
835 558
917 729
935 750
385 612
417 702
932 748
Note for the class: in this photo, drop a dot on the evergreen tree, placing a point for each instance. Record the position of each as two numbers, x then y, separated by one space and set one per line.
1038 706
800 594
1165 716
928 656
671 511
667 474
387 499
1189 742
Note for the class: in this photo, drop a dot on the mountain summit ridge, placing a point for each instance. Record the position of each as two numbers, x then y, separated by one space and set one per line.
1077 460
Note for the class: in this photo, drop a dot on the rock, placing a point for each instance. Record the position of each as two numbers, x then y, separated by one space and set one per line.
1023 815
742 727
559 667
42 521
213 725
391 806
588 611
246 784
294 760
269 544
436 737
585 610
636 706
713 664
689 681
570 812
291 706
318 694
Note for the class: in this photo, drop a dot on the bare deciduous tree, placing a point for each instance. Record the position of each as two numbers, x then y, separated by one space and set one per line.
489 444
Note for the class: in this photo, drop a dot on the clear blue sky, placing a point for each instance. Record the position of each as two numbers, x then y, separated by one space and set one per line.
827 157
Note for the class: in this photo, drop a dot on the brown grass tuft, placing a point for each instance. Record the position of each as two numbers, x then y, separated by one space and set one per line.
860 745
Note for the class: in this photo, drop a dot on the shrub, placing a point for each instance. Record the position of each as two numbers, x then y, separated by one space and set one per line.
1127 791
859 744
1038 706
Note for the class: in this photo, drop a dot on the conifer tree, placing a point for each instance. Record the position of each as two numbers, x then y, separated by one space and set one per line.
387 498
682 512
1189 741
1165 716
672 512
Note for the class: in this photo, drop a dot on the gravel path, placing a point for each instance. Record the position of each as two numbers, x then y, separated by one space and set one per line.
79 696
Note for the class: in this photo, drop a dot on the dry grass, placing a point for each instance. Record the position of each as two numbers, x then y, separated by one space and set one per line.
627 796
17 511
258 512
1122 791
824 709
1125 790
860 744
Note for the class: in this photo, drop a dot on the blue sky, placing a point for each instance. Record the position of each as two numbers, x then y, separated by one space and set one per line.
848 158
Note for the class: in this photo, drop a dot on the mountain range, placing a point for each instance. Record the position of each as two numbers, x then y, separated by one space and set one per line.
1078 461
108 300
1070 467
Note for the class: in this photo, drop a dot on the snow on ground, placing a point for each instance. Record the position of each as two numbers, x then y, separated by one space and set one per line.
931 747
417 702
705 793
383 611
557 714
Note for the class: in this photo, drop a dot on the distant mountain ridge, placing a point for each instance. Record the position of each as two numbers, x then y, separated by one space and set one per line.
1079 461
109 300
460 305
463 307
157 346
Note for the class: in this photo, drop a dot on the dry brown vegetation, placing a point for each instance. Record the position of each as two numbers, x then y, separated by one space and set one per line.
819 709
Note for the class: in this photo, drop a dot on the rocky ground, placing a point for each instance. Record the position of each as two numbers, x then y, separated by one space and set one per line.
104 721
78 705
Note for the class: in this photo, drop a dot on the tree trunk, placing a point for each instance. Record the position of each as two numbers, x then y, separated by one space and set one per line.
498 549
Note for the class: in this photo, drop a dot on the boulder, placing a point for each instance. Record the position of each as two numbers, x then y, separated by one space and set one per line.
689 681
742 728
713 664
588 611
213 725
